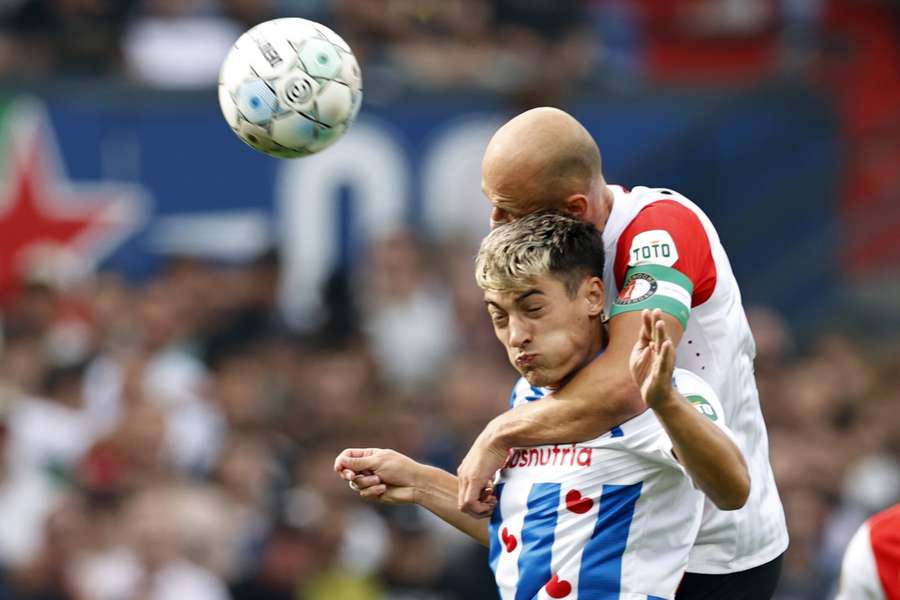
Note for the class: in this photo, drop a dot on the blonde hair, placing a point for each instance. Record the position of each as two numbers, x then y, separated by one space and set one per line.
547 242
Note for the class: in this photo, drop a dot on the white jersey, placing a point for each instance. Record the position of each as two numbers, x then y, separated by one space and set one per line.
613 517
662 251
859 572
871 567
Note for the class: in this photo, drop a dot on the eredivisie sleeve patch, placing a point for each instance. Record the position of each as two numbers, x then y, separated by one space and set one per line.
703 406
655 286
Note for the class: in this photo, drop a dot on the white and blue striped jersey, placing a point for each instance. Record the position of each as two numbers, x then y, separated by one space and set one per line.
613 518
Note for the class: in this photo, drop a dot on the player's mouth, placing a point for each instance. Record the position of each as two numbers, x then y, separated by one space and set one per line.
524 361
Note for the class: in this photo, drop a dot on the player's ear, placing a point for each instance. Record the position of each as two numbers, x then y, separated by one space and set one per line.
595 296
578 206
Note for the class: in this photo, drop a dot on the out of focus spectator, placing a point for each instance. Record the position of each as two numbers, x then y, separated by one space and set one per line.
177 44
66 38
407 313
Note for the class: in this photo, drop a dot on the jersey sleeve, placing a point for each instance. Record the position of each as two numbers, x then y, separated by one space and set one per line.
859 573
664 260
701 395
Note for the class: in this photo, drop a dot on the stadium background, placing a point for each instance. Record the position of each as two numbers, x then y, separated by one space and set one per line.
191 331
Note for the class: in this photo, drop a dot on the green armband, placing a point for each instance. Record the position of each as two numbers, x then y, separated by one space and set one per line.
655 286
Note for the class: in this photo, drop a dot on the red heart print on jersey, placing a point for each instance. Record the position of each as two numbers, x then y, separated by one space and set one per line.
508 540
577 504
558 588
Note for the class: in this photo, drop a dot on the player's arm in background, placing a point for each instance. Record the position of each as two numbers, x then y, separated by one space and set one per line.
390 477
691 416
664 251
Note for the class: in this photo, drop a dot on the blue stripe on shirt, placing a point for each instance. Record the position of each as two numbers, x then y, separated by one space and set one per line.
495 544
538 533
600 577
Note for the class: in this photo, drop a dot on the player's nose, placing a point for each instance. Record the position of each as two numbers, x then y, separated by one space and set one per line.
519 333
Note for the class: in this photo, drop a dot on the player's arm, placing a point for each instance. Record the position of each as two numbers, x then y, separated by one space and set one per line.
712 459
392 478
599 397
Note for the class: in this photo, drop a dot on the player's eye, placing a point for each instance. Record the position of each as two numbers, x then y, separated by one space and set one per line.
498 319
534 311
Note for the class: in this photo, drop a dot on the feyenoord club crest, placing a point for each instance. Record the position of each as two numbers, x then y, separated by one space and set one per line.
638 288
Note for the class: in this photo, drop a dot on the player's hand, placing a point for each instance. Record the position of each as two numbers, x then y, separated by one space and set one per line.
379 474
653 360
476 476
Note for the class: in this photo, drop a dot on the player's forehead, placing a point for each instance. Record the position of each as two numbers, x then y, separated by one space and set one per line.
543 287
512 207
513 197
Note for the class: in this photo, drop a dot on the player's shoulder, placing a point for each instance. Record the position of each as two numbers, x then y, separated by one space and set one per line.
525 392
662 204
688 382
885 527
664 227
693 387
646 193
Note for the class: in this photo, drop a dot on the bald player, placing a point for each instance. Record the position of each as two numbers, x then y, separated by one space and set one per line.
661 252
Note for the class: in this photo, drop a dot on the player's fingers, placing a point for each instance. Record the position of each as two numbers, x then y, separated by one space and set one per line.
480 510
660 322
349 453
373 492
656 366
646 327
643 364
479 501
667 361
659 334
662 333
465 495
366 481
338 460
360 464
348 475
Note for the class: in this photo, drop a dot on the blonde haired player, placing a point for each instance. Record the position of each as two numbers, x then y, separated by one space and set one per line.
612 517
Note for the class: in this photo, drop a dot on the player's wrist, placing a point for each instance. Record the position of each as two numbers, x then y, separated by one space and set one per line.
424 482
499 436
667 402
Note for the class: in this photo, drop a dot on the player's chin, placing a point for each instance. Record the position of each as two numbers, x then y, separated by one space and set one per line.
537 376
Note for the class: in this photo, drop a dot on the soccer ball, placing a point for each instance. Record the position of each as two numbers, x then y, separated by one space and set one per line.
290 87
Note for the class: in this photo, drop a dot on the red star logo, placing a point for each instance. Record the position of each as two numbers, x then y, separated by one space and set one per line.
41 209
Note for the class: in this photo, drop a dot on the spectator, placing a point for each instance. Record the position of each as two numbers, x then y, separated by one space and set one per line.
173 44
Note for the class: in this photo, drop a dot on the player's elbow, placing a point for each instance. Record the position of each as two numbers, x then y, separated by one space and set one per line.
735 497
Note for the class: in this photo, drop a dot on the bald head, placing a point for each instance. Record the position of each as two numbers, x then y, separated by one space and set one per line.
539 159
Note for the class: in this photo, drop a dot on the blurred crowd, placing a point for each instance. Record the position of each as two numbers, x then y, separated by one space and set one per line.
521 46
172 438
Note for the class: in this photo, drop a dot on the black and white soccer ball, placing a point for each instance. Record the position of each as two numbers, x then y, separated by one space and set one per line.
290 87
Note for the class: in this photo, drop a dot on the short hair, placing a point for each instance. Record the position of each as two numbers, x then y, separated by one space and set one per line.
548 242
